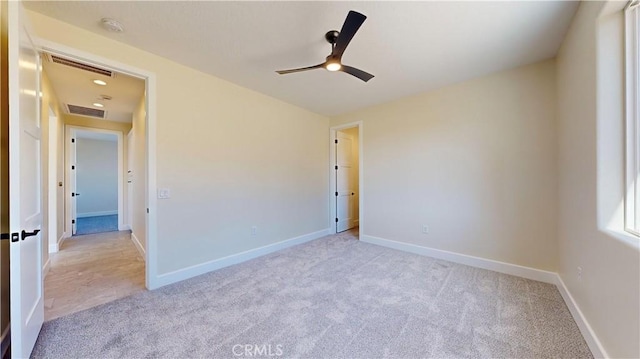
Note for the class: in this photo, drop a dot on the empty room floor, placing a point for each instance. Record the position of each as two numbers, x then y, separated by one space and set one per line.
90 270
335 297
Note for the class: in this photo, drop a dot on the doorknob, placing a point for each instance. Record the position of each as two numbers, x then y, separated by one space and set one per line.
26 234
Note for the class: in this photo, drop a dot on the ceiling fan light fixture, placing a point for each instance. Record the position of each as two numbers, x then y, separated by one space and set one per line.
333 66
339 42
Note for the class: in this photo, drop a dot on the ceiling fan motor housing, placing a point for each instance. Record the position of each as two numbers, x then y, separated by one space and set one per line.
332 36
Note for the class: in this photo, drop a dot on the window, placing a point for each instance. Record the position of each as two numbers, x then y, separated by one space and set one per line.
632 136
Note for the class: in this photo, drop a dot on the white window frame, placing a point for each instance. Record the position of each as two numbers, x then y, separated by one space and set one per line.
632 133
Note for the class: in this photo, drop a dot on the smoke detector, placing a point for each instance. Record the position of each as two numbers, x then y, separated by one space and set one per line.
112 25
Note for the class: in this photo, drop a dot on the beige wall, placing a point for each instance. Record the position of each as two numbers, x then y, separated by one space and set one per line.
476 162
138 174
4 171
233 158
608 293
49 101
95 123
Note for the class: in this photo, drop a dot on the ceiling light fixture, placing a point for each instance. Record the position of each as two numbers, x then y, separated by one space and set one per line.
96 104
333 66
100 82
112 25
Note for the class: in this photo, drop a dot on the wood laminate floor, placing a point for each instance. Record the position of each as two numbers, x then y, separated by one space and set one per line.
91 270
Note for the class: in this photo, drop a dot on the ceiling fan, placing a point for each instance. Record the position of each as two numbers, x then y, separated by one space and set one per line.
339 42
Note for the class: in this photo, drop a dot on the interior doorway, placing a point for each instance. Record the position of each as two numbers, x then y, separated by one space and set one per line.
97 258
96 181
346 168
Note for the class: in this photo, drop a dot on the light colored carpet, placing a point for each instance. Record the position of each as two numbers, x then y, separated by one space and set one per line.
334 297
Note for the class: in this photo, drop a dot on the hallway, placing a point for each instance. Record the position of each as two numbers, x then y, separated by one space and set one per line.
91 270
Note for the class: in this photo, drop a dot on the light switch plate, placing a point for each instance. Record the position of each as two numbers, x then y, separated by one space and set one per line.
164 193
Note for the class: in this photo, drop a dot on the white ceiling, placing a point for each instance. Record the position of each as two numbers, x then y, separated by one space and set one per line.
410 47
74 86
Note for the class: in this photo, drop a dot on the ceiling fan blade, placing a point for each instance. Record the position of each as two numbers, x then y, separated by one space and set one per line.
351 25
283 72
362 75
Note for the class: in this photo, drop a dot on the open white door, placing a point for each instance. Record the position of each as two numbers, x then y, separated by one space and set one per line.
344 190
25 178
73 184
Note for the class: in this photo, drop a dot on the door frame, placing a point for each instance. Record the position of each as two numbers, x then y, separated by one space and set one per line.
69 133
129 198
332 178
151 263
51 188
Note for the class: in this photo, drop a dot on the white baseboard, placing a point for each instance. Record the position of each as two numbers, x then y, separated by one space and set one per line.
496 266
124 227
55 247
589 335
96 214
138 245
196 270
5 340
46 267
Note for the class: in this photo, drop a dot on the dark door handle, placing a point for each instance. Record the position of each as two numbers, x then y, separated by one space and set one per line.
26 234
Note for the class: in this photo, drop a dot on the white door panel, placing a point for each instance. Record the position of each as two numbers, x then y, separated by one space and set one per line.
345 143
344 197
25 178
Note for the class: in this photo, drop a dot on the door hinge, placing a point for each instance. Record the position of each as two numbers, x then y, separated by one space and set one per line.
336 140
147 210
73 221
73 167
336 167
73 194
336 194
336 220
73 140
